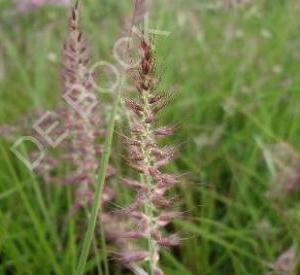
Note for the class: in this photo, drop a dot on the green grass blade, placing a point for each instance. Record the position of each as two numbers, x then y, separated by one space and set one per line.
96 209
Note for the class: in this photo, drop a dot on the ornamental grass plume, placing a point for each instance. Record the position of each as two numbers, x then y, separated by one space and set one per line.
150 211
84 119
84 122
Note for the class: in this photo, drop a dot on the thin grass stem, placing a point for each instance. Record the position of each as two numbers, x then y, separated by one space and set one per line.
96 208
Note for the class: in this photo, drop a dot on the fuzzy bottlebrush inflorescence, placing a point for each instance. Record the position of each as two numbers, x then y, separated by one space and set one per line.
83 119
150 211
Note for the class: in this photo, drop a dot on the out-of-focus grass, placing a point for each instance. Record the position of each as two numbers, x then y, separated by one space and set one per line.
234 70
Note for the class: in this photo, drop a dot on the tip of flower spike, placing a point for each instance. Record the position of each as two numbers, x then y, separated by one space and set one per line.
74 16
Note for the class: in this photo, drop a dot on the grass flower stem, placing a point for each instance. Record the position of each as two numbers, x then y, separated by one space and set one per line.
148 181
150 244
152 247
96 208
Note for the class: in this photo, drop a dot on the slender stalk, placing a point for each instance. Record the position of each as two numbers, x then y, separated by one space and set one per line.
149 182
149 212
97 209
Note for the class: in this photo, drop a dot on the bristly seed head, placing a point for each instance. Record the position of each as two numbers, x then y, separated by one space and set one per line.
148 158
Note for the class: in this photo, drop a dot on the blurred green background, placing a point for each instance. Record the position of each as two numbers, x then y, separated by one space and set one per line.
235 68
